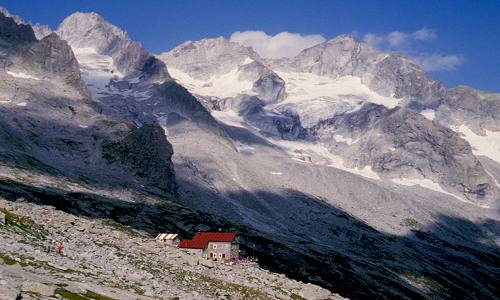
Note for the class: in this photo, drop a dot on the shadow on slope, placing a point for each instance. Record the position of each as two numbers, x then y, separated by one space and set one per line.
363 263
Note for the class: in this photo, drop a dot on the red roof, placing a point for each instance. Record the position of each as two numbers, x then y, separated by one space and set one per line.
201 239
190 244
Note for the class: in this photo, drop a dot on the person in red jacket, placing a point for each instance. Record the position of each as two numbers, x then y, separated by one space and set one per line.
59 248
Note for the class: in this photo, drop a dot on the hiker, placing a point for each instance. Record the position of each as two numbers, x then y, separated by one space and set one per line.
60 248
49 248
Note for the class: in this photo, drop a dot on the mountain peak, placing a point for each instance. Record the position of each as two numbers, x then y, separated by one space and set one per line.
342 38
90 30
218 55
16 19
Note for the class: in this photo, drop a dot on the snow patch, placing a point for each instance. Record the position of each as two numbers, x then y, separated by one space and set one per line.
487 145
315 98
247 61
306 86
222 86
431 185
230 118
22 104
493 177
243 147
276 173
342 139
22 75
317 153
429 114
97 69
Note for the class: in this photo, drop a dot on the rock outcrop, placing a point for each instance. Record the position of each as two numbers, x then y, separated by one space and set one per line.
386 73
401 143
207 59
89 30
51 125
148 153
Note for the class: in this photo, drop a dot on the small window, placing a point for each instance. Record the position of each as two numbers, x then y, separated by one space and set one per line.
220 255
214 246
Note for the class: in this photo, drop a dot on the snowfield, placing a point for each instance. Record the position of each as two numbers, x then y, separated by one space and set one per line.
22 75
97 69
307 86
487 145
223 86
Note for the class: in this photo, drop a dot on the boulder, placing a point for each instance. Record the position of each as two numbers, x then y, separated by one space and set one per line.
38 288
310 291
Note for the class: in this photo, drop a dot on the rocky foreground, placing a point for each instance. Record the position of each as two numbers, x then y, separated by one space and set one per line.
106 260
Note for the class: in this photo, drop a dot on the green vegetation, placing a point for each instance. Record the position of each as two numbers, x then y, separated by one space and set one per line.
213 285
7 259
410 222
88 295
96 296
296 297
70 295
422 280
24 225
118 226
107 244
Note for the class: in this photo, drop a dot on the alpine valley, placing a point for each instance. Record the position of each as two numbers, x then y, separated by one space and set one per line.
349 170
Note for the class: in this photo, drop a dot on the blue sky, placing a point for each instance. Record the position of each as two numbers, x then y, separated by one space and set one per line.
458 41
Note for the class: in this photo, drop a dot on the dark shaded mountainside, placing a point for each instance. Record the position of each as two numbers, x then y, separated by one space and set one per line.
106 156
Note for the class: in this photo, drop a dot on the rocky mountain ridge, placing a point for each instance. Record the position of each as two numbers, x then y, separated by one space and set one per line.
316 175
337 79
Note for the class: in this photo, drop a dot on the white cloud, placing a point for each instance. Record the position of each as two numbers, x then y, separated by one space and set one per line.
396 39
374 40
283 44
424 34
409 44
439 62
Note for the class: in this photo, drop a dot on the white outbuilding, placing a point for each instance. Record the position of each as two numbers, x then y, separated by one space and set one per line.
168 238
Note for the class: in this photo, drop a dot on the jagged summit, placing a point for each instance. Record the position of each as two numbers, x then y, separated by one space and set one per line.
221 68
40 30
344 166
89 33
13 34
90 30
83 30
16 19
207 57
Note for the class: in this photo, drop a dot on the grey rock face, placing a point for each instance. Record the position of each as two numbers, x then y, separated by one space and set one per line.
146 151
337 57
40 30
398 75
244 105
387 74
214 57
205 58
15 18
270 87
464 105
50 124
13 34
89 30
53 55
397 142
